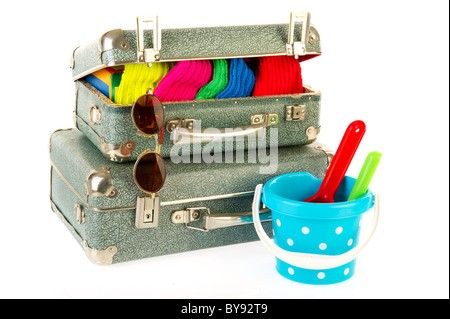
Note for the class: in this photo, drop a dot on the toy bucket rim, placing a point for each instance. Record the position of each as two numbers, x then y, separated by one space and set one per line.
307 210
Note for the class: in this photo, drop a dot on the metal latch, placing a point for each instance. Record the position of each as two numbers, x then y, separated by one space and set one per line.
151 54
298 48
147 211
180 123
295 112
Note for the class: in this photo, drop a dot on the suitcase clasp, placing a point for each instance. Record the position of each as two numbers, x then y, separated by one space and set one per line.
147 211
295 112
151 54
298 48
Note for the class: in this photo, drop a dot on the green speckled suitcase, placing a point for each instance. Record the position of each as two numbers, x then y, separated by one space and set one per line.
200 205
110 127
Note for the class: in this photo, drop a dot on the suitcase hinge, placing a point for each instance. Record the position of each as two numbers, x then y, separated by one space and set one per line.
147 211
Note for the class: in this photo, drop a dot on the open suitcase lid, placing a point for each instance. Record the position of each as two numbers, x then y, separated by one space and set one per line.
120 47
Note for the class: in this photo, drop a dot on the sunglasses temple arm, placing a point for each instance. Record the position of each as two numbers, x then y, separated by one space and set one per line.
161 136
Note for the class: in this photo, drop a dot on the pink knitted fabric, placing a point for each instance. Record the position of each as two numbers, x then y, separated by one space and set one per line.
184 80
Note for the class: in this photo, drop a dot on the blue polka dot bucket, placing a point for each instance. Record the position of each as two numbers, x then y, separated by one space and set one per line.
314 243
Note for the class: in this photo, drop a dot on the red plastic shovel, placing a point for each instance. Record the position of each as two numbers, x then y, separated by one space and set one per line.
340 163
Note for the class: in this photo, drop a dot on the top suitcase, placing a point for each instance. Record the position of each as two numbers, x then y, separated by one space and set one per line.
109 124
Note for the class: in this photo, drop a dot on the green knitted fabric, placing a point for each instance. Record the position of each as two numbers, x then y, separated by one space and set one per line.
218 83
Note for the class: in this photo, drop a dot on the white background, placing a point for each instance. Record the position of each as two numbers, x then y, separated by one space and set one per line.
384 62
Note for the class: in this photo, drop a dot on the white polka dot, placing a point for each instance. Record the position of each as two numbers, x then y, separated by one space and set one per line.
290 242
346 271
323 246
290 271
278 223
339 230
350 242
321 275
273 232
305 230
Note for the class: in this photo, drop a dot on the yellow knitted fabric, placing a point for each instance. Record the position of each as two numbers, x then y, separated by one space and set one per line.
138 78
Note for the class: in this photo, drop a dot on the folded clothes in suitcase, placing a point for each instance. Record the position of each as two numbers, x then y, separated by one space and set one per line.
186 66
200 205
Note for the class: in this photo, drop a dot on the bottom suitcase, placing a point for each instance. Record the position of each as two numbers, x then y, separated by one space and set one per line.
201 205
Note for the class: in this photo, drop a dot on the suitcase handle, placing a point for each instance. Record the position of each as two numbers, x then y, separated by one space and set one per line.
216 220
184 131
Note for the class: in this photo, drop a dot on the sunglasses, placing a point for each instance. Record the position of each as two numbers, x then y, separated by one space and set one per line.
149 171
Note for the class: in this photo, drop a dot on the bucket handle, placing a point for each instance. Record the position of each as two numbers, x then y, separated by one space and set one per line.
304 260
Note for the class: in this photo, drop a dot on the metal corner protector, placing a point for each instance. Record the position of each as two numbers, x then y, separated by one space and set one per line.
100 257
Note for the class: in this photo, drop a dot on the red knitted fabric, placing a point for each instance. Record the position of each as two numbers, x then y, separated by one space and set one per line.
278 75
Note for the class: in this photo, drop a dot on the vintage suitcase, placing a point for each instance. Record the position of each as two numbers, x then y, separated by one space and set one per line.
110 127
200 205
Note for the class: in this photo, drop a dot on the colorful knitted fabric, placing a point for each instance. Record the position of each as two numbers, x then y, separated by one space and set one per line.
278 75
184 81
241 80
218 83
106 80
137 79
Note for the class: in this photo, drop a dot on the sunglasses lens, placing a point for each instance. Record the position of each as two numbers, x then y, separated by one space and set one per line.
148 114
150 172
